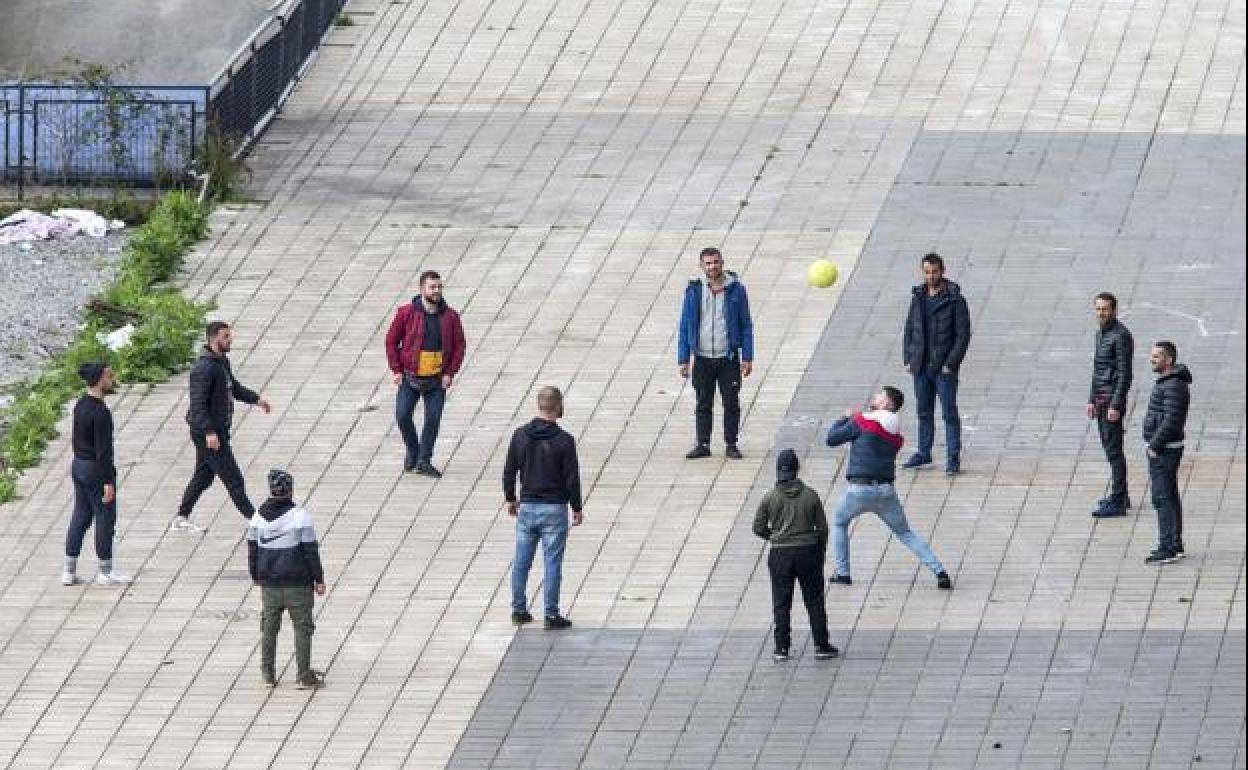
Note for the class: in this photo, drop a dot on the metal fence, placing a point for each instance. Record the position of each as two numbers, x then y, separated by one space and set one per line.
72 134
251 88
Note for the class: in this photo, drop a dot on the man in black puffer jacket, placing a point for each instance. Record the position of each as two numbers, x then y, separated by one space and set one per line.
210 415
1107 400
937 334
1164 434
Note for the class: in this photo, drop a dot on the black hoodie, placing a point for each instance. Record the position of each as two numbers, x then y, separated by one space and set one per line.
1167 409
545 457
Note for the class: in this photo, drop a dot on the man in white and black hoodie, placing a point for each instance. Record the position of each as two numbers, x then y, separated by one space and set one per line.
284 559
544 457
1164 434
210 415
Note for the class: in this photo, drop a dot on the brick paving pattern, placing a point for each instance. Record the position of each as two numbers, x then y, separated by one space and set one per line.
561 162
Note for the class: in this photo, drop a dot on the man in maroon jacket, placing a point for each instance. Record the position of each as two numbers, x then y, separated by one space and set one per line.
425 348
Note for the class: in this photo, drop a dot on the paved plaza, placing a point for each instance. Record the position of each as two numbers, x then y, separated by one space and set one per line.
561 162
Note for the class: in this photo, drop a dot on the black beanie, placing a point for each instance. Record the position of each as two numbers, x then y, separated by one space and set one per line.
91 372
281 483
787 465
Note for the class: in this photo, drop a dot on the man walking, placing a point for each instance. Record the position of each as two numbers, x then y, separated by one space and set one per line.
1107 401
210 416
791 518
875 439
716 330
1163 430
94 476
544 456
937 334
285 561
425 349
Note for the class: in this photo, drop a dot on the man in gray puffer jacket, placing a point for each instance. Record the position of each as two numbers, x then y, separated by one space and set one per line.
792 519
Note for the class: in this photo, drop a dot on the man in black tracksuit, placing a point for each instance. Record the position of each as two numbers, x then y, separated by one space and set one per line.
1107 401
791 518
1164 434
544 457
937 335
210 415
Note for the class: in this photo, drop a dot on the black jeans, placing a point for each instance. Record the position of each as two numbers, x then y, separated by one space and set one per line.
419 446
726 374
90 508
211 465
1111 441
1163 477
803 563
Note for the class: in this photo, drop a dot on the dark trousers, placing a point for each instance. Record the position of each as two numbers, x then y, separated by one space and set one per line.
298 601
211 465
803 563
724 373
1163 477
1111 441
419 447
927 387
90 508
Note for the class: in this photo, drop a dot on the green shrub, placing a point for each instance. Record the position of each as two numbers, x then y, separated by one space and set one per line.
167 326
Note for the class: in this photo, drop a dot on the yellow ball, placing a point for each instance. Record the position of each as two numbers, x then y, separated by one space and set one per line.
821 274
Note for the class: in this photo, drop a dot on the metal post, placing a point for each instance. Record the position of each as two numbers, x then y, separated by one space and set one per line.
21 140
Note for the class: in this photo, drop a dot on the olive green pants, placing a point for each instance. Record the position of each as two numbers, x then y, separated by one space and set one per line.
298 601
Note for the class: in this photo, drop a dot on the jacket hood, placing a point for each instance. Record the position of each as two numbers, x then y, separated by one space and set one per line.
273 508
1181 371
207 352
889 421
791 488
418 303
951 288
542 430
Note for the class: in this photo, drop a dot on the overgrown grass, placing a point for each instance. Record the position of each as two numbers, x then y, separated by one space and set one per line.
167 328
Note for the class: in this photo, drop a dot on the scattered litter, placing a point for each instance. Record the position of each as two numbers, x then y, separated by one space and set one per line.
116 339
26 225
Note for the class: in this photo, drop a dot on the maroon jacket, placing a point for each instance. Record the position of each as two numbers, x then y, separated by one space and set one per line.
408 329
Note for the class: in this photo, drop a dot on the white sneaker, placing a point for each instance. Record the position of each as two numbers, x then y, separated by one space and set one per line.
68 578
184 524
113 578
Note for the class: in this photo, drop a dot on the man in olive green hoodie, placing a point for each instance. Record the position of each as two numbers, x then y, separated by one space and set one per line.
792 519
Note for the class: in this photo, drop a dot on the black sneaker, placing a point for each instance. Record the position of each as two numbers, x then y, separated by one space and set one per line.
699 451
943 582
409 465
826 653
1162 557
844 580
427 469
1109 510
780 655
520 617
313 680
557 623
953 466
268 676
917 460
732 453
1180 552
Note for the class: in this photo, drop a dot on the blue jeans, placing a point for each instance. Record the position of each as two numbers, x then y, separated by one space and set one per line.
90 508
927 386
548 523
880 499
419 448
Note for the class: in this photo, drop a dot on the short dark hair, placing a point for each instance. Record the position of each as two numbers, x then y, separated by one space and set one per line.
932 258
1108 297
896 396
429 275
710 251
214 328
1168 348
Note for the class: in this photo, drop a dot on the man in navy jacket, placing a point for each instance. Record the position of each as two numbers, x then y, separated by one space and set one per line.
716 332
875 439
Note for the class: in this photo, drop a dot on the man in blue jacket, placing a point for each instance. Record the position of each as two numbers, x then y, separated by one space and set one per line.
716 332
875 439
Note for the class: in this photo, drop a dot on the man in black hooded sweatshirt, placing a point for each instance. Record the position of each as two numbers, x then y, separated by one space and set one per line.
544 457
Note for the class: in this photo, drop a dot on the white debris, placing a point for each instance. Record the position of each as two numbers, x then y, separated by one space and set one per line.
27 225
118 338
